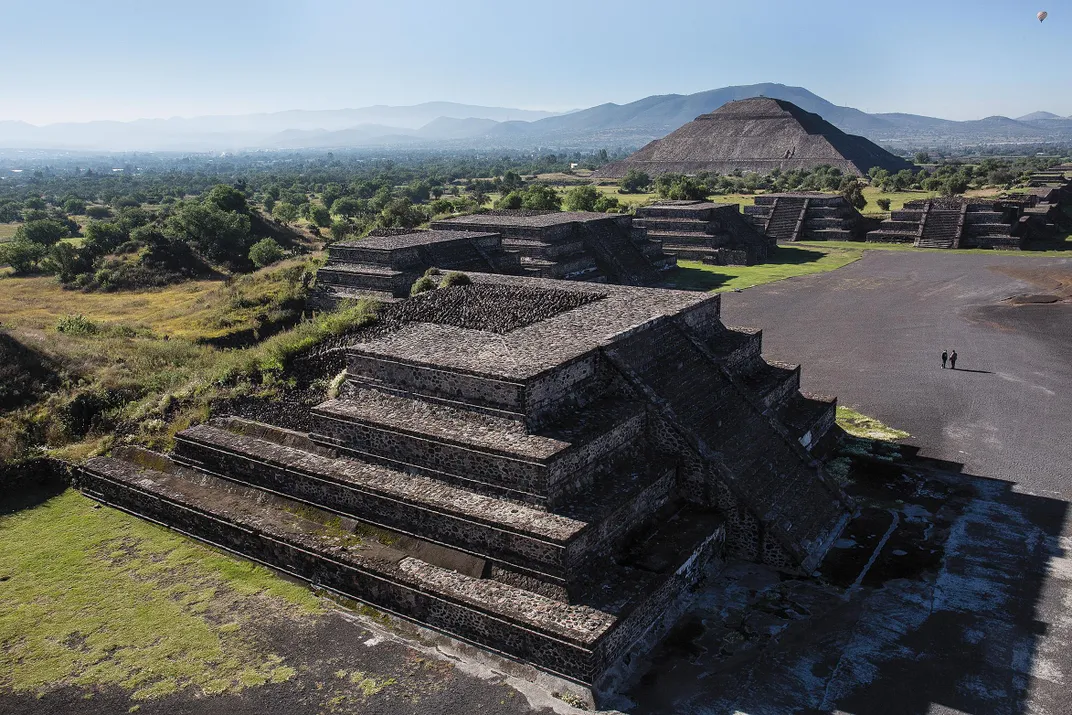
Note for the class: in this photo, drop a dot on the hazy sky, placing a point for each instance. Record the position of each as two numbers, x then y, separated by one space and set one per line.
108 59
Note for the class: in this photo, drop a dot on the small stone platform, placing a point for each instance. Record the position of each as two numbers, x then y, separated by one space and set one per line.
805 216
702 231
577 245
957 223
545 469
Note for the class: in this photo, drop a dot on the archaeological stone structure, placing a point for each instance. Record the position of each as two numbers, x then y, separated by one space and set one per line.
956 223
756 135
579 245
582 246
806 216
702 231
545 469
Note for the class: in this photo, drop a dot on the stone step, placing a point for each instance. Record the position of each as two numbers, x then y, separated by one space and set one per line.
660 212
672 224
808 417
891 225
690 252
624 602
682 237
774 383
365 277
827 234
489 527
332 295
882 236
483 391
478 450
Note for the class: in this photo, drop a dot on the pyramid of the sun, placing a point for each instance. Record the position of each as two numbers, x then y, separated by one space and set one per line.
760 135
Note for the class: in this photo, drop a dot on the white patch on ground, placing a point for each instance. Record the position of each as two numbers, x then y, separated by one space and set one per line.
1040 388
374 641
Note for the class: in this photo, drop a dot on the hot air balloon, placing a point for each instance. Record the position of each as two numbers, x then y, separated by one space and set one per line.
1043 15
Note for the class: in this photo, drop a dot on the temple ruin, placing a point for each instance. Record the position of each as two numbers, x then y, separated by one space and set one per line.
701 231
545 469
806 216
956 223
757 135
584 246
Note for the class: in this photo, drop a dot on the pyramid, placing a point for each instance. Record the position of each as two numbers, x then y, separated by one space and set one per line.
760 135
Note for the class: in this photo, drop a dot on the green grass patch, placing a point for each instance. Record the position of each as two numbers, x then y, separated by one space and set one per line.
98 598
859 425
788 261
7 230
897 199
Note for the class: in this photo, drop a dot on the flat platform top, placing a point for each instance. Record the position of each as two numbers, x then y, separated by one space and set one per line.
553 337
409 240
546 220
688 206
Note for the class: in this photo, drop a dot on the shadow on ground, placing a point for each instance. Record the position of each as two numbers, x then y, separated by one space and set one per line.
707 279
935 595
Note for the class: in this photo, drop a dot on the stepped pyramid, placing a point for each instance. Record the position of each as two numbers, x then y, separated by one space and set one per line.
576 245
545 469
955 223
805 216
757 135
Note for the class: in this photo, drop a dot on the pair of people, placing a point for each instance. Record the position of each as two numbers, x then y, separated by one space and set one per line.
951 358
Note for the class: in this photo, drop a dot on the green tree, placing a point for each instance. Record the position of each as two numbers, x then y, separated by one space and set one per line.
23 256
35 203
214 233
634 182
340 230
285 212
319 215
883 204
400 213
607 203
74 207
227 198
922 157
511 181
98 212
44 232
540 197
265 252
348 207
511 200
852 191
104 237
581 198
331 194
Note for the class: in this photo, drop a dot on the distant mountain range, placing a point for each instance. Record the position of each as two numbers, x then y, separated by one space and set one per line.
446 124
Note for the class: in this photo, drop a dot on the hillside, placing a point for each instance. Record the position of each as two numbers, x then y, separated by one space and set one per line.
459 126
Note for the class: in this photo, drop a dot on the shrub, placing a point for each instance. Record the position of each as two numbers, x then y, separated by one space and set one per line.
581 198
45 232
433 271
607 204
76 325
23 256
455 279
511 200
540 197
265 252
883 204
98 212
634 182
422 285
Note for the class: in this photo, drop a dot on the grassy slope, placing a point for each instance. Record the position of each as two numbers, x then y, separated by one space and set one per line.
7 230
95 597
859 425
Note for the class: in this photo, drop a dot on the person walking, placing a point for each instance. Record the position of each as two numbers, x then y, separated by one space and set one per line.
945 357
953 359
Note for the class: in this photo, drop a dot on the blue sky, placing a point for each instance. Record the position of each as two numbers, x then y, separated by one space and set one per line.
109 59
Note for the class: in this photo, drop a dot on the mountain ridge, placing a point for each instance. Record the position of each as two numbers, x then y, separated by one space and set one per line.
437 124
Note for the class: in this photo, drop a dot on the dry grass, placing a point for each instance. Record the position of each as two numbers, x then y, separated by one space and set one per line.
193 310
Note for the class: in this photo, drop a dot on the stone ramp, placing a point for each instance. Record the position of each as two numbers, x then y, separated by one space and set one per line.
766 469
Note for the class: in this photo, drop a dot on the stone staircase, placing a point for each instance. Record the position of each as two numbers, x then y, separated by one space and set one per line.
583 246
804 216
954 223
941 228
700 231
552 489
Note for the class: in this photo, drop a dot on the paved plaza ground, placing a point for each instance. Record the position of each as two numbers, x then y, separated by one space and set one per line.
966 603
